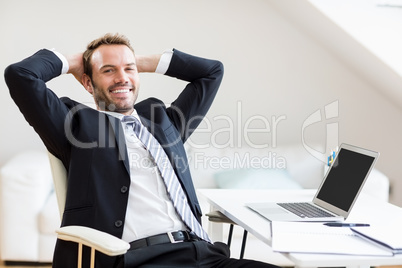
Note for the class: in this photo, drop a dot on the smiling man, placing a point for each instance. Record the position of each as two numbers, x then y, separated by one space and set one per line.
114 69
125 160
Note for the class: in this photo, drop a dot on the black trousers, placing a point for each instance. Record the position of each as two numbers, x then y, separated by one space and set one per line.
186 254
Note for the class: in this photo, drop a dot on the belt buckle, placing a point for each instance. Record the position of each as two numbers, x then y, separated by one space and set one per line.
171 238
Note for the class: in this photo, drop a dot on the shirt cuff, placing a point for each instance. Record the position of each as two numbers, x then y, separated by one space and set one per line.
63 59
164 62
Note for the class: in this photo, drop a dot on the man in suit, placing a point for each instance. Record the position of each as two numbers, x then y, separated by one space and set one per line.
115 183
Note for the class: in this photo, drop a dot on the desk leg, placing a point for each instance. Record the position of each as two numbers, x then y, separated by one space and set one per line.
215 230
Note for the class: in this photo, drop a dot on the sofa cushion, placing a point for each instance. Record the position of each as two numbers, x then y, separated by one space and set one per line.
255 179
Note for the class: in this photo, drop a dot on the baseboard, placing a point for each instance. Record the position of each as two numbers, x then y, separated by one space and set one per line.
26 263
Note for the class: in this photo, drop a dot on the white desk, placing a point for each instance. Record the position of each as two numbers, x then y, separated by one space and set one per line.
231 203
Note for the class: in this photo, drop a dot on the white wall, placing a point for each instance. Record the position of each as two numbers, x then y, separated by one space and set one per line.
272 70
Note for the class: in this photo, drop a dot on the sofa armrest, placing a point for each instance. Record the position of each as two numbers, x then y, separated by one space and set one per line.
95 239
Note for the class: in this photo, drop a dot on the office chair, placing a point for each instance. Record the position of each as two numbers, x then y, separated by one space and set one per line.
217 216
94 239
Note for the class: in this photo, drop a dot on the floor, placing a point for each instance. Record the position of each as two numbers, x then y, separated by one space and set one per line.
25 266
49 266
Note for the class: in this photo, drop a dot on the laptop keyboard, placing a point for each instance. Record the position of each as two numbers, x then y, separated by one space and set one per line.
305 210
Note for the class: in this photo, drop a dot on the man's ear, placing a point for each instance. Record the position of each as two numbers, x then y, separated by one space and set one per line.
87 83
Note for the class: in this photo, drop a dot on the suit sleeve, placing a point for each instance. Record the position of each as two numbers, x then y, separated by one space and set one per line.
191 106
40 106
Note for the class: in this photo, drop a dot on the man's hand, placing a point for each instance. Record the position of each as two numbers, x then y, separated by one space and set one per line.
76 66
147 63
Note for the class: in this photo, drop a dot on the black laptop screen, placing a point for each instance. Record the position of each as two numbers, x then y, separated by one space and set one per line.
345 178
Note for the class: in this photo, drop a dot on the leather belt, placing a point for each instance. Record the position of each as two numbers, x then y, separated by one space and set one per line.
170 237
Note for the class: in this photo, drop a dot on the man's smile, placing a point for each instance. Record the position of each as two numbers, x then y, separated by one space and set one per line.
120 89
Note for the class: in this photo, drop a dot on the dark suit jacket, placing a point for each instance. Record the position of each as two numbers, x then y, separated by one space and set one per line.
91 144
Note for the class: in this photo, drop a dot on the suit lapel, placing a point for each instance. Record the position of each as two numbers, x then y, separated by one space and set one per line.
120 140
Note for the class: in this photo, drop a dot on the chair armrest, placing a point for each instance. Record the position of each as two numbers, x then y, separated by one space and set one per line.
98 240
217 216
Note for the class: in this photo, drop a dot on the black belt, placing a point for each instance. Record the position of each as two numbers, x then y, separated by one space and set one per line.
170 237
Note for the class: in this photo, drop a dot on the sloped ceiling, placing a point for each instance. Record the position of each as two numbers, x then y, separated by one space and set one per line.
365 35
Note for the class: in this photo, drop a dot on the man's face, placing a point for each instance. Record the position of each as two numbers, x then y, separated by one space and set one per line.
115 81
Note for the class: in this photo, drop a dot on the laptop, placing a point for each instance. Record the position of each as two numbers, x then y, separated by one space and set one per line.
337 193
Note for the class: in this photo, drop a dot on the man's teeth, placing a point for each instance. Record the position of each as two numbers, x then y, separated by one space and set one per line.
121 91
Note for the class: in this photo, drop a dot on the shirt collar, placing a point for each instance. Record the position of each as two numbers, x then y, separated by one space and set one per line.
120 116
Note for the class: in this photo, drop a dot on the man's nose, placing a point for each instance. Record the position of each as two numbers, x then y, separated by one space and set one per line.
121 77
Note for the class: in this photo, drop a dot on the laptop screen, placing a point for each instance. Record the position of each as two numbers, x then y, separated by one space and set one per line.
345 178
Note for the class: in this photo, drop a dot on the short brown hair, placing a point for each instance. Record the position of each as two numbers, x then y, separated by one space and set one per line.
107 39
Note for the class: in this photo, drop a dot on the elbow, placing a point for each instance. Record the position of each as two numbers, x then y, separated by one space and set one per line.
218 71
220 68
8 72
17 77
12 75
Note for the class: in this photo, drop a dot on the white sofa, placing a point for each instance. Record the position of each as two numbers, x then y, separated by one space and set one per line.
29 213
28 209
282 167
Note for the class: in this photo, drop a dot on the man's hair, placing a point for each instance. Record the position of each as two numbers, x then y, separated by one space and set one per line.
107 39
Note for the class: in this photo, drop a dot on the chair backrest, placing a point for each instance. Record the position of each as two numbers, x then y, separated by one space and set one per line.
60 181
83 236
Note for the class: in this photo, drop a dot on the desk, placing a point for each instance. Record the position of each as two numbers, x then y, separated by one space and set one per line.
231 204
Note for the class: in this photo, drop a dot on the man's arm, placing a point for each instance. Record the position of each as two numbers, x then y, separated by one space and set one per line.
191 106
147 63
42 108
76 66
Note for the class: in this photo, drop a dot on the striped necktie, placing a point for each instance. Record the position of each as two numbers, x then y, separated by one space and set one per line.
170 179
